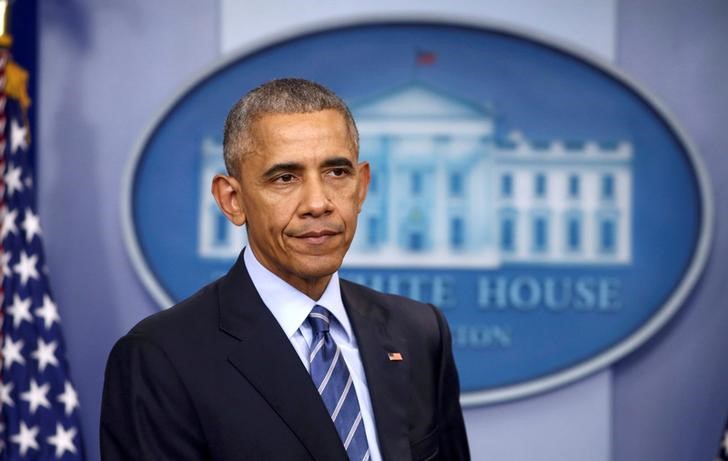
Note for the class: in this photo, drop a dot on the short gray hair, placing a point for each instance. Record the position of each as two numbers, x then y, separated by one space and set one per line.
281 96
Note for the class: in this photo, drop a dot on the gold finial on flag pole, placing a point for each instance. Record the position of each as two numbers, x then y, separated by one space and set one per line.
5 38
15 79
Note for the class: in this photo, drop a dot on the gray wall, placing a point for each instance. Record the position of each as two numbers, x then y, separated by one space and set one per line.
108 67
671 396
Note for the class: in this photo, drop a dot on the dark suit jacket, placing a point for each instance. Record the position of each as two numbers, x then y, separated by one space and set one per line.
215 378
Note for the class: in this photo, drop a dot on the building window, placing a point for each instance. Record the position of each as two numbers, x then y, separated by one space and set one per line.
373 230
508 232
540 185
540 233
607 187
457 233
506 185
416 183
456 184
416 242
573 232
607 235
574 186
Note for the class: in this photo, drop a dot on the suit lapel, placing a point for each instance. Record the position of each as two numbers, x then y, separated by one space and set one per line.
387 380
266 358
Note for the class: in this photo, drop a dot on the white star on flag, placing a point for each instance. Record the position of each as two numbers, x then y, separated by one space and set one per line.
5 260
36 396
26 438
31 225
11 352
63 440
20 310
69 398
9 226
5 397
48 312
25 268
13 183
45 354
18 136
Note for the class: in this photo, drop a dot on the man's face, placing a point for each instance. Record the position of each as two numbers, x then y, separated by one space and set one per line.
301 190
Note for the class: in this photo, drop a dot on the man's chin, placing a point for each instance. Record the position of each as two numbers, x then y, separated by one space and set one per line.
314 267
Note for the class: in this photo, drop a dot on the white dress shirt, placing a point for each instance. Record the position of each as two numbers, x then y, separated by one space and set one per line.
290 307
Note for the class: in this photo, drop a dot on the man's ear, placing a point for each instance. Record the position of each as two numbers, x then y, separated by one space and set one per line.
364 178
227 193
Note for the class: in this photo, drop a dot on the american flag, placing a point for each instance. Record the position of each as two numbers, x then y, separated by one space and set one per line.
425 58
40 418
723 449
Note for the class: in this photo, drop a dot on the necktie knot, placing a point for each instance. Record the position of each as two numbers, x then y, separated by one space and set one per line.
319 319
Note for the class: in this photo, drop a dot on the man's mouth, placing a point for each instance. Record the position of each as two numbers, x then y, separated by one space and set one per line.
317 237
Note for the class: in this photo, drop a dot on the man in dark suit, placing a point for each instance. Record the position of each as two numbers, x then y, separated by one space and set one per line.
279 359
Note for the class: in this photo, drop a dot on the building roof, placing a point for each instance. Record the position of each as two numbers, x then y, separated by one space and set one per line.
417 100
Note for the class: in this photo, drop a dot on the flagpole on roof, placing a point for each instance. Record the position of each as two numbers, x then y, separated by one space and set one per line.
423 58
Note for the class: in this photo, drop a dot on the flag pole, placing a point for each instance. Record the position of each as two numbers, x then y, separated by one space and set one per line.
5 38
5 41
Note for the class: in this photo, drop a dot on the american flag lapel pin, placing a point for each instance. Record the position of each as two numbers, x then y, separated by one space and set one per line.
394 356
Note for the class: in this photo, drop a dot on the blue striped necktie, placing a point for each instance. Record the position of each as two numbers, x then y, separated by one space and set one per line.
334 383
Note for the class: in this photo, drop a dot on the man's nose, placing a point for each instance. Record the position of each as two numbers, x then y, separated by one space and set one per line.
316 200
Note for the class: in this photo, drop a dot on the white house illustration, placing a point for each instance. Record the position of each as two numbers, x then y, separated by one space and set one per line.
445 192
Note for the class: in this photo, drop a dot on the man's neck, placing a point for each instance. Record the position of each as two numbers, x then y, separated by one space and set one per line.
314 288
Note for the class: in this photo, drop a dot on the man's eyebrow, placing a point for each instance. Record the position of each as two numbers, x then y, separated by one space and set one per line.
282 167
298 167
337 161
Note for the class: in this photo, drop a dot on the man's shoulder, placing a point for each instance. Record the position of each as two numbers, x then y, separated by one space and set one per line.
407 313
191 316
385 299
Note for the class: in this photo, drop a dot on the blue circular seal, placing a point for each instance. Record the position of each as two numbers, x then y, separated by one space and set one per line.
545 202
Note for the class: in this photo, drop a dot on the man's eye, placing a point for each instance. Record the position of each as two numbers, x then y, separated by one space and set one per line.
338 172
285 178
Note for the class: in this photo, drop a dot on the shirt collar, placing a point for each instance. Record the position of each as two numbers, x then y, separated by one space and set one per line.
289 306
